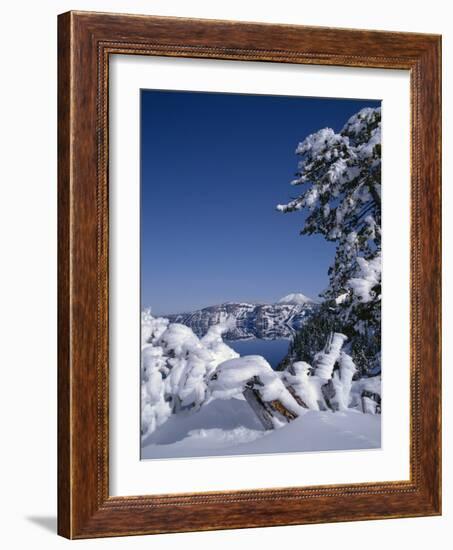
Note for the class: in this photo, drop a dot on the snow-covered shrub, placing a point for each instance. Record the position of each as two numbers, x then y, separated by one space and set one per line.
310 383
175 367
328 383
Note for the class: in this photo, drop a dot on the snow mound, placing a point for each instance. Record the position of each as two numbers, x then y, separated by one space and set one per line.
216 417
297 299
315 431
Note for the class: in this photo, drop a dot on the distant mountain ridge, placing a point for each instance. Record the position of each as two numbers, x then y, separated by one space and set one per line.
265 321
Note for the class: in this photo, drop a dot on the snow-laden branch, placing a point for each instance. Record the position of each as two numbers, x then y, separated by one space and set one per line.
342 196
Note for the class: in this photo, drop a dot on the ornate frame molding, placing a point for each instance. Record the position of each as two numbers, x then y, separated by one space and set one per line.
86 40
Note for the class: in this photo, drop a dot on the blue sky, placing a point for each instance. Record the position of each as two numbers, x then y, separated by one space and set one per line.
213 168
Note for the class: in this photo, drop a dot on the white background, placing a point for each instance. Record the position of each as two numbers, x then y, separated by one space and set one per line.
129 475
28 270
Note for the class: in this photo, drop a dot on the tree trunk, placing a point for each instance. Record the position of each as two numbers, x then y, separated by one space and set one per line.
270 413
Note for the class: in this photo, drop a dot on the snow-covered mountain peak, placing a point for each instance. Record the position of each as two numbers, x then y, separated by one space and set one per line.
298 299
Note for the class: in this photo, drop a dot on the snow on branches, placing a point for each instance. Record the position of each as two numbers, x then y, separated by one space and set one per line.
366 285
340 177
327 384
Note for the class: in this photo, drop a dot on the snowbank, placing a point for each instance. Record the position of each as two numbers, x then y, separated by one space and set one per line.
315 431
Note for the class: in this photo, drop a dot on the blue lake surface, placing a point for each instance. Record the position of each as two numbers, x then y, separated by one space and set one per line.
272 350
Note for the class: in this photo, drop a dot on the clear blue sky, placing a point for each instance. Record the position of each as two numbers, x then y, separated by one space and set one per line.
214 166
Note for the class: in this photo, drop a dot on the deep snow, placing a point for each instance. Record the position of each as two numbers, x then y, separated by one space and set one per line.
230 427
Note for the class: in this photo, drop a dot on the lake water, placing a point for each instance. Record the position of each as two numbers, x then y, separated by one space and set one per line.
272 350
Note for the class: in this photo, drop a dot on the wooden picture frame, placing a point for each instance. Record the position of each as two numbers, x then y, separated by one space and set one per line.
85 42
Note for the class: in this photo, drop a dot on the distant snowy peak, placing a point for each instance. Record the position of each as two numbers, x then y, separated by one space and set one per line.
298 299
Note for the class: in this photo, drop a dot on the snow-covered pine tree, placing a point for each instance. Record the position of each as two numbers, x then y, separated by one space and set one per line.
341 178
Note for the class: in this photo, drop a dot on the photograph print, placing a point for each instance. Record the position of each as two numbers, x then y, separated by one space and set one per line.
260 274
